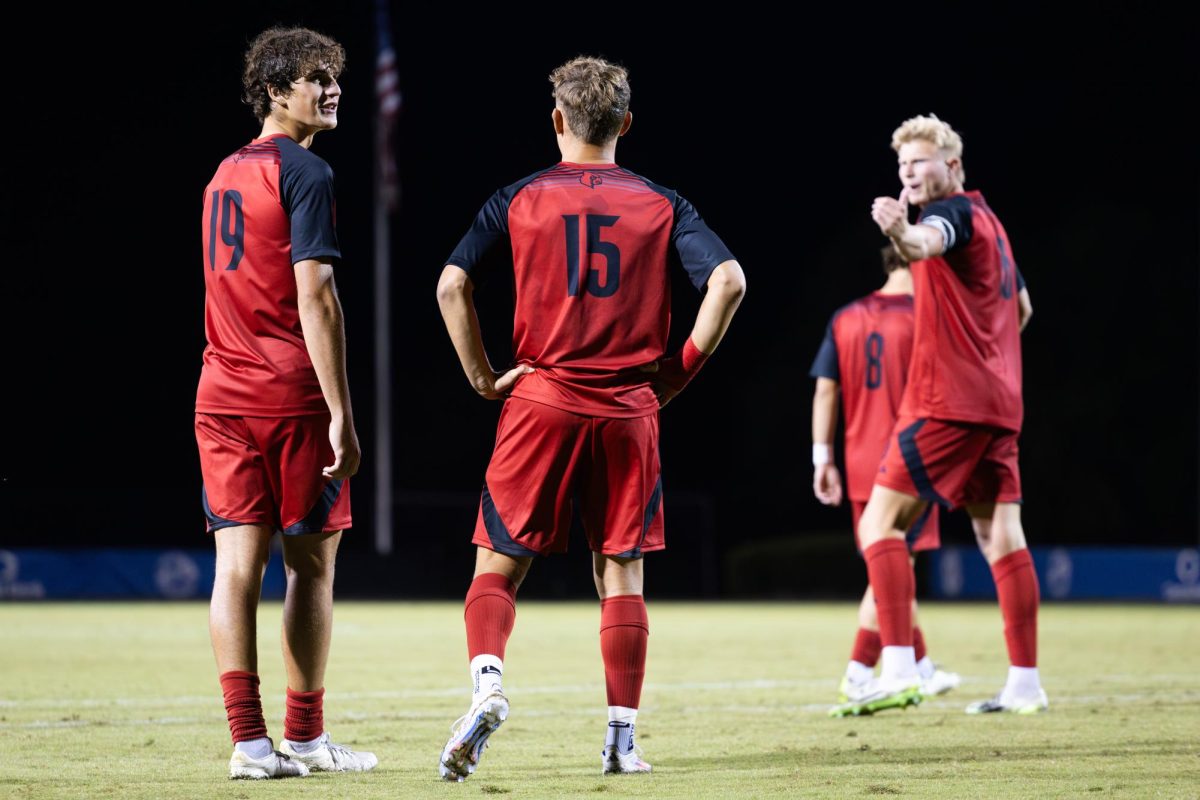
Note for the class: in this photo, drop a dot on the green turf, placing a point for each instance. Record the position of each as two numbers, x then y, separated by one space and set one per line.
122 701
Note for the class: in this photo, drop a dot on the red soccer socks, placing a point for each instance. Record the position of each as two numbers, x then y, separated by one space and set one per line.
866 647
1017 589
491 612
243 706
891 577
624 630
918 643
305 719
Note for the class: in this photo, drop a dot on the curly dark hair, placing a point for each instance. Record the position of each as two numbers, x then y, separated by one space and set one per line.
594 95
278 56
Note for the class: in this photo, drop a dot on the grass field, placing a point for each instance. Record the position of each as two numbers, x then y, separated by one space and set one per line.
122 701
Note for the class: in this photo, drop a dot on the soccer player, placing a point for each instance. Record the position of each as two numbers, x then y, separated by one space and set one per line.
579 428
864 358
273 418
955 441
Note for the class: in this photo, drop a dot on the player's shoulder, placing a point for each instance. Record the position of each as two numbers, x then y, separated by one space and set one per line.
541 177
302 158
855 307
255 151
952 206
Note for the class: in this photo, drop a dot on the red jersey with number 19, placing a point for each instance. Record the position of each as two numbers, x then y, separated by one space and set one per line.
866 350
966 364
269 206
589 251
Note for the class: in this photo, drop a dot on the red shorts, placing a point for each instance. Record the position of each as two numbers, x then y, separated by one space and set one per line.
925 533
951 463
549 463
267 471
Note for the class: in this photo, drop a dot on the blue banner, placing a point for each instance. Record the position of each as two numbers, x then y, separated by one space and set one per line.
1078 573
35 574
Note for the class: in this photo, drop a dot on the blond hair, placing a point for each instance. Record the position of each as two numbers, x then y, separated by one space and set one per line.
594 96
936 132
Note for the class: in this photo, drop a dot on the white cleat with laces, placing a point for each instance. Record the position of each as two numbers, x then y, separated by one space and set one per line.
273 765
620 755
1006 702
469 736
327 756
939 682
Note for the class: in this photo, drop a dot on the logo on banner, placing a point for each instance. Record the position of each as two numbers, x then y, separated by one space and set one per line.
10 587
1059 573
1187 570
176 576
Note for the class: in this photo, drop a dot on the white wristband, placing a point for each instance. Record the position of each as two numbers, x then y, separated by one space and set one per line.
822 454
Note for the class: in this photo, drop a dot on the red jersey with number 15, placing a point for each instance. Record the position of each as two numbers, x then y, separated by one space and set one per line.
268 206
866 350
966 364
593 302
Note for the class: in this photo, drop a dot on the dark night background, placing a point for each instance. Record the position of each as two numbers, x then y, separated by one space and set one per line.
778 133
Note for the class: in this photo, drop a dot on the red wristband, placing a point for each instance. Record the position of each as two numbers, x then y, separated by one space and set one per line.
678 370
692 358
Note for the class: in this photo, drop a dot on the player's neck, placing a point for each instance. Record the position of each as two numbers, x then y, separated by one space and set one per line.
576 152
899 282
298 133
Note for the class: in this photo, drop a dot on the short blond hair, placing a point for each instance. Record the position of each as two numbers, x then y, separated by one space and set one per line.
936 132
594 96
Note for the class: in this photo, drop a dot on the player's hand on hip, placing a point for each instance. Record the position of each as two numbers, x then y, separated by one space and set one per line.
827 484
891 214
346 452
506 381
660 384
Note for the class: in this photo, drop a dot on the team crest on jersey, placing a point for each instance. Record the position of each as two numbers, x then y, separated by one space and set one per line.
591 179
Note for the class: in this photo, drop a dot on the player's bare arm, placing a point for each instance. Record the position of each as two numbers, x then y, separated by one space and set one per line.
455 294
724 292
324 330
827 481
913 242
1024 308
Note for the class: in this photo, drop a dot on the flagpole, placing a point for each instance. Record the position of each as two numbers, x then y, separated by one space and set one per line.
387 103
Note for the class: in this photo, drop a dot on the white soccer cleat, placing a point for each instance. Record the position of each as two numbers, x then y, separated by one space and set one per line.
1013 705
328 756
273 765
940 682
622 756
851 690
469 736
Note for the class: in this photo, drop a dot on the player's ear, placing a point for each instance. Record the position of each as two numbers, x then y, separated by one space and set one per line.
625 125
277 95
559 120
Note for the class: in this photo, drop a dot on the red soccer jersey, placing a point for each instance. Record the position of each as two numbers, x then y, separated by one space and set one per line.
268 206
966 363
589 250
866 350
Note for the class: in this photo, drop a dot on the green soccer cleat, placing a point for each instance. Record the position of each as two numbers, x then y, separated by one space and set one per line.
879 697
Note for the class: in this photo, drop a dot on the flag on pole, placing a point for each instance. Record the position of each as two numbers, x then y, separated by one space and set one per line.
387 102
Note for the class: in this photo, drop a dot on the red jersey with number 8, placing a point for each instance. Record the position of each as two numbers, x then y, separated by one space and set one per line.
866 350
269 206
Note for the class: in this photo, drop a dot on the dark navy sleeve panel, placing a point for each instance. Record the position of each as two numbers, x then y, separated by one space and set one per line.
825 365
700 250
1020 280
306 193
490 226
952 216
